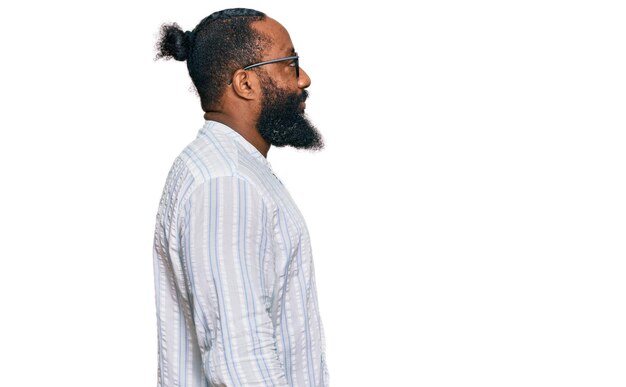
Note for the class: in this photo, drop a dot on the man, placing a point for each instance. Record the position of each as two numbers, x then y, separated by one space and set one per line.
235 285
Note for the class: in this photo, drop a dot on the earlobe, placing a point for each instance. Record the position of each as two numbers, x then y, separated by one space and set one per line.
245 84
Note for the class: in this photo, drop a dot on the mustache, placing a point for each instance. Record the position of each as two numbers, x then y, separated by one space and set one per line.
303 97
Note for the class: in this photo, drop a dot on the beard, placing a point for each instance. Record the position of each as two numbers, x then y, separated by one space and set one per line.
282 122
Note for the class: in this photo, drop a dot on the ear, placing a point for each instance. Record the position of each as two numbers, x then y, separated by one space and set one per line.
246 84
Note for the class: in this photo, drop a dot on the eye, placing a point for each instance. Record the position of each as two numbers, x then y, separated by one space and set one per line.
292 63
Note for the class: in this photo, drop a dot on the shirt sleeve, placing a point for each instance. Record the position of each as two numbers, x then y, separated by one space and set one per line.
226 232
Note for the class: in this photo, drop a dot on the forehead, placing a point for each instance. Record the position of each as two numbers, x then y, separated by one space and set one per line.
280 41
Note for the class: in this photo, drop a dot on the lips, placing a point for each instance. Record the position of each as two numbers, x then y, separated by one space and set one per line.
303 98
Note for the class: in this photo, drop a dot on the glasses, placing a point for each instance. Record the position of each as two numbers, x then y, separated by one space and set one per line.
295 58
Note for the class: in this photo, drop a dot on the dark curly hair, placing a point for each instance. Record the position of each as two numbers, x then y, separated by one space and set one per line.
220 44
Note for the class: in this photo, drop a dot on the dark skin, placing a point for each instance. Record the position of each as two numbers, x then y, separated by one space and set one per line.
240 104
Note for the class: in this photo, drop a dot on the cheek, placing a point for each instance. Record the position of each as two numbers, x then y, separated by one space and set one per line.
287 79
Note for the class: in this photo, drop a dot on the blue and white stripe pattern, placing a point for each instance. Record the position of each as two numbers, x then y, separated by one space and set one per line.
234 277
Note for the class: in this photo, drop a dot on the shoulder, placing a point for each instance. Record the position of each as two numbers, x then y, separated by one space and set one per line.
220 168
219 159
206 159
211 155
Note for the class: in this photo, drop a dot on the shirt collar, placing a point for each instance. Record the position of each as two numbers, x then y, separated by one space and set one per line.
214 126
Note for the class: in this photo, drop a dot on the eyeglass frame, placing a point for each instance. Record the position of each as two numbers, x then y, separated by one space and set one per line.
295 58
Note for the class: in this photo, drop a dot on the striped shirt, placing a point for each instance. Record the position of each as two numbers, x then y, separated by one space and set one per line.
235 284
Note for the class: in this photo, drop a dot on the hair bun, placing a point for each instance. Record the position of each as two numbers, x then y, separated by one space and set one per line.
173 42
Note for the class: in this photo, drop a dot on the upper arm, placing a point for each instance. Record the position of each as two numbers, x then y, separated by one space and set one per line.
226 239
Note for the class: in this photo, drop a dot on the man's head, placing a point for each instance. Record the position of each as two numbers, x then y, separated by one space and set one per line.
216 47
225 57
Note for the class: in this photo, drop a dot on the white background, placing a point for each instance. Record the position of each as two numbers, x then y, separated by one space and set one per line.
468 215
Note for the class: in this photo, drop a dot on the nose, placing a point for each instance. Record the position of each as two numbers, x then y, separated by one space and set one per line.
303 79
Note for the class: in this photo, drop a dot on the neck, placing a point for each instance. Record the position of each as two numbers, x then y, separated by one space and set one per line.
246 128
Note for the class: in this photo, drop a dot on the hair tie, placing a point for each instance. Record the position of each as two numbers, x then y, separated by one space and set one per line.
189 35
